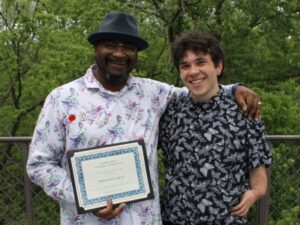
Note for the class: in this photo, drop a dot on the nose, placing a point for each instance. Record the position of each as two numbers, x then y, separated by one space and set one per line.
119 51
194 70
120 47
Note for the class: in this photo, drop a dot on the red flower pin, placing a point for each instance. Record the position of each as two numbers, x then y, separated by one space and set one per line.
72 117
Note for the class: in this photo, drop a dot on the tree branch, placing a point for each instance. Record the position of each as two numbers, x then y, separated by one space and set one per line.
154 65
5 21
218 14
259 20
218 11
170 25
31 108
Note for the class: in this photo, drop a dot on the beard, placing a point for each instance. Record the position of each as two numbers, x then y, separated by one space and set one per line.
112 79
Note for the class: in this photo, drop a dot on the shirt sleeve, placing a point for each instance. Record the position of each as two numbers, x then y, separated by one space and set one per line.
47 149
258 148
164 92
229 89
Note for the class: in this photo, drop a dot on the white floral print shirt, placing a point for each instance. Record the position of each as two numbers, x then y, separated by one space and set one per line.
82 114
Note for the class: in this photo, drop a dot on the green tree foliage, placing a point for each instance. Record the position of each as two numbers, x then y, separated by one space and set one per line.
281 108
43 45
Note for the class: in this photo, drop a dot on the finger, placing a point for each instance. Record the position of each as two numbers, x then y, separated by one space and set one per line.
238 210
253 107
106 212
118 210
237 207
258 112
241 212
241 102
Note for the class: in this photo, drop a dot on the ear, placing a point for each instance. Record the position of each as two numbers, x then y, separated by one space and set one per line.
219 67
96 46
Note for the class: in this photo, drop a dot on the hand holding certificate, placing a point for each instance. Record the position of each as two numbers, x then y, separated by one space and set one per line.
119 172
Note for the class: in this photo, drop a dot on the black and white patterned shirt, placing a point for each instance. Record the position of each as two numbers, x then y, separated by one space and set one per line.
209 150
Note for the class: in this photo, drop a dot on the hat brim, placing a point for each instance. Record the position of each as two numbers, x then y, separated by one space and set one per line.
101 36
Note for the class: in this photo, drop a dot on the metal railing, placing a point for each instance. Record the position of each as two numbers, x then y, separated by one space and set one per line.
23 144
262 206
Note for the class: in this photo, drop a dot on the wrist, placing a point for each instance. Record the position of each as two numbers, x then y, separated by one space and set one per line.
257 194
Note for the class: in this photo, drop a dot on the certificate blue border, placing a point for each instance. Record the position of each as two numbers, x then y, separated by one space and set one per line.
78 162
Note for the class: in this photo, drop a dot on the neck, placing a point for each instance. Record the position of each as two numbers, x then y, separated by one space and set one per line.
206 96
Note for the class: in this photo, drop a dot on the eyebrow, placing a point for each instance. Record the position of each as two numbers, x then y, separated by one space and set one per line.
198 58
183 63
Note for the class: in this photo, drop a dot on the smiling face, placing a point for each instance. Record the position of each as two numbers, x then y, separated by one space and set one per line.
200 75
114 60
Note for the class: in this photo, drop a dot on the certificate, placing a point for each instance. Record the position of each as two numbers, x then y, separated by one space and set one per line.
118 172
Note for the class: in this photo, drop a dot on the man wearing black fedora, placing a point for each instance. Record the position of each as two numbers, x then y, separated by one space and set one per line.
107 105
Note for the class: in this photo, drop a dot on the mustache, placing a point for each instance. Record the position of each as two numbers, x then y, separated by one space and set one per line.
111 79
118 60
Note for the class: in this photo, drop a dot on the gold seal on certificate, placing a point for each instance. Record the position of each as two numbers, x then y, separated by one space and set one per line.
119 172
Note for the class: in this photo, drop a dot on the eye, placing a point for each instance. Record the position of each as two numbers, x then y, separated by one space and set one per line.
184 66
130 47
200 62
110 45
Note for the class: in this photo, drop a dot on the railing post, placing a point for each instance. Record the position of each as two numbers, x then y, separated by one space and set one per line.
262 206
27 189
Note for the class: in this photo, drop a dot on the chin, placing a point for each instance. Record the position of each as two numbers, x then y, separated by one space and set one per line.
117 78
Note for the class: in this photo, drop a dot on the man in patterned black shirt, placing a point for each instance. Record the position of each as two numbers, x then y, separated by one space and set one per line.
215 158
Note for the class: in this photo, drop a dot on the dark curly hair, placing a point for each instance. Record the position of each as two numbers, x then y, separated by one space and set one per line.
197 42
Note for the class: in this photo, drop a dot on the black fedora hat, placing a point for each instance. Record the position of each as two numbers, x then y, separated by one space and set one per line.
118 25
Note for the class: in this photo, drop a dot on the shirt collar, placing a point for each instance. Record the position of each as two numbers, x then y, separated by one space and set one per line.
211 104
92 83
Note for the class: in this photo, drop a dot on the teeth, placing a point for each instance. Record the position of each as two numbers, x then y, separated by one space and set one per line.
118 62
196 81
